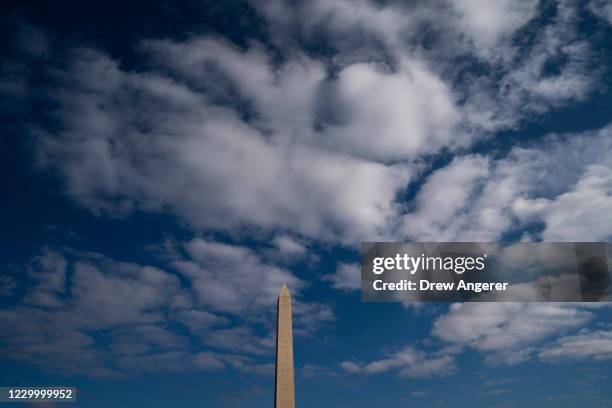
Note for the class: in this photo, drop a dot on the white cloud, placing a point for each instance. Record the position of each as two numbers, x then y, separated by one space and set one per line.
442 198
118 318
355 26
124 293
393 115
350 367
236 281
55 329
505 41
513 333
213 361
287 245
254 76
303 148
209 361
310 148
601 8
347 276
510 357
408 362
566 186
233 279
486 22
561 182
319 372
140 339
199 319
203 162
507 326
308 317
578 214
586 345
533 85
238 339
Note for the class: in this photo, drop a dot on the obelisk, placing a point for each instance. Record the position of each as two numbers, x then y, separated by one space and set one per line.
284 392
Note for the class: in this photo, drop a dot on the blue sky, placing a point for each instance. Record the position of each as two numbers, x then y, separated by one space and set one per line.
165 168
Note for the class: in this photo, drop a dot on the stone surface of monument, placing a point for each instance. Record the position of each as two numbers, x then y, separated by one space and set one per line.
284 392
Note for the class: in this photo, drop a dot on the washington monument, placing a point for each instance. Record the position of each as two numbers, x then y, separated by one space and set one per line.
284 393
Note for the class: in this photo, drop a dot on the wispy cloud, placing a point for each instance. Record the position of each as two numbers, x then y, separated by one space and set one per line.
408 362
112 318
586 345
